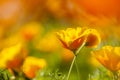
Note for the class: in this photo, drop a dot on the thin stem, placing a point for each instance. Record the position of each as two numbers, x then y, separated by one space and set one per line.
77 70
71 67
115 76
89 77
76 53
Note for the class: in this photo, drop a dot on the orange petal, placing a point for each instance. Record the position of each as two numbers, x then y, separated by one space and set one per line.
64 44
92 40
77 43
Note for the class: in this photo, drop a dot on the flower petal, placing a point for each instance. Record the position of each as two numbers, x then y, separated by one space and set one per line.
77 43
93 38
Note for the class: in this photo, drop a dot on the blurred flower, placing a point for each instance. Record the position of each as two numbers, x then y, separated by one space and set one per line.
12 56
94 62
73 38
50 39
30 31
31 65
109 57
10 41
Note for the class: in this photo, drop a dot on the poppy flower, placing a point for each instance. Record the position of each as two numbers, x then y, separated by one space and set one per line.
109 57
31 65
73 38
12 57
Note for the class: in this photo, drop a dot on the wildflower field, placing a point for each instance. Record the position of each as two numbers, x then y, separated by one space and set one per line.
59 40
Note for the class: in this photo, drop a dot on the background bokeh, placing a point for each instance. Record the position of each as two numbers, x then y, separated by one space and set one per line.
29 26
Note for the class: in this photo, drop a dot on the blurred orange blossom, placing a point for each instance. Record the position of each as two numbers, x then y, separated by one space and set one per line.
31 65
12 56
30 31
109 57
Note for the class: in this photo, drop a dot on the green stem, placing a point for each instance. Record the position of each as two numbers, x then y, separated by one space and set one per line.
71 67
115 76
75 55
77 69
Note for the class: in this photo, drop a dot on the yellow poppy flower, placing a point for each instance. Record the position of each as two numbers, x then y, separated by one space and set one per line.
12 57
73 38
109 57
31 65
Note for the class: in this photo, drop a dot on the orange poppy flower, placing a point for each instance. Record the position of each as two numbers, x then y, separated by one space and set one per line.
73 38
109 57
31 65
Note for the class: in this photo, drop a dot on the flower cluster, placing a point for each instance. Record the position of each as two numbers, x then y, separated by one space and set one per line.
17 59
